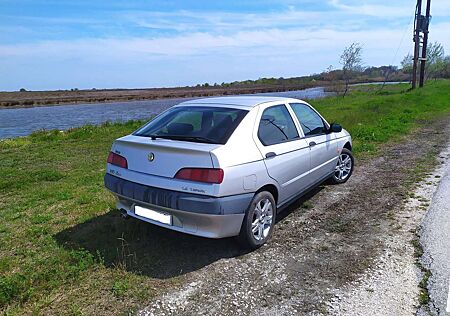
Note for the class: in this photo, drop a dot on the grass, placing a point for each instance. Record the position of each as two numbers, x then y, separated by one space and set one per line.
424 296
51 181
65 250
307 205
375 117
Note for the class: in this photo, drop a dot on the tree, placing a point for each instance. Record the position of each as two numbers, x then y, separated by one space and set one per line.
407 64
386 71
351 61
446 71
439 68
435 63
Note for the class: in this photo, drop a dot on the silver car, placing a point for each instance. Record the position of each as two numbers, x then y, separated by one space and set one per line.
221 167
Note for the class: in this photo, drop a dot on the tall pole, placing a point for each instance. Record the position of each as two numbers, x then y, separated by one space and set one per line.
424 46
416 42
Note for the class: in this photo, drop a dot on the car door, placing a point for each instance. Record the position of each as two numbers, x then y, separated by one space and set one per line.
285 151
322 145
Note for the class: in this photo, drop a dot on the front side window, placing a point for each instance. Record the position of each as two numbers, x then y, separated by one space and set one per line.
276 126
201 124
310 121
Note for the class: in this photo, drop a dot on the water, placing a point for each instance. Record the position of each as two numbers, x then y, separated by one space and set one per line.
24 121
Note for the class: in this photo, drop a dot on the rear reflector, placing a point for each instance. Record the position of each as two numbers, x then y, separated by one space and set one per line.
201 175
117 160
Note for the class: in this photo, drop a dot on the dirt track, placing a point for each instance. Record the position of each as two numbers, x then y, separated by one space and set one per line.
317 248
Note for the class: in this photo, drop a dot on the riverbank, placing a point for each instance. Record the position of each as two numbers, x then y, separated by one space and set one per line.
65 250
24 99
53 98
24 121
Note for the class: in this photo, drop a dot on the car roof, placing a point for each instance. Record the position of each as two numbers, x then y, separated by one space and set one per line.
239 101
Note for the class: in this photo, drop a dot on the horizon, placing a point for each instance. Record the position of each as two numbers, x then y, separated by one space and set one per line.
212 85
59 45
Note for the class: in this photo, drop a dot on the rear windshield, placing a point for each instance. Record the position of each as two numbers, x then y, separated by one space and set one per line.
201 124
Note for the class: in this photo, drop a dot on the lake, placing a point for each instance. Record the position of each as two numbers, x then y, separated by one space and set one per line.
24 121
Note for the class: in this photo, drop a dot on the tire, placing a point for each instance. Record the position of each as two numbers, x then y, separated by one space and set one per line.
255 232
344 167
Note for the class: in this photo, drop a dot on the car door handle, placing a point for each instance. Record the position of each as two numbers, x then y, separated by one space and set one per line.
271 154
312 144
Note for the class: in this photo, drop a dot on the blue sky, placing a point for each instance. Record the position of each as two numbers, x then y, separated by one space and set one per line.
51 44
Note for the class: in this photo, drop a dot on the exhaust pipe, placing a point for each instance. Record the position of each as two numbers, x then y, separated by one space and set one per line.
124 214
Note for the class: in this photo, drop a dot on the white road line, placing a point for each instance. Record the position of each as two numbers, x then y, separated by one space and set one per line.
448 299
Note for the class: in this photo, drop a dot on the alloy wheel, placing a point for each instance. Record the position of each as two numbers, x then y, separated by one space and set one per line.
343 167
262 219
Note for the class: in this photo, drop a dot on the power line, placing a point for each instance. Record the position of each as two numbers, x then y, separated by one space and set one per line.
403 37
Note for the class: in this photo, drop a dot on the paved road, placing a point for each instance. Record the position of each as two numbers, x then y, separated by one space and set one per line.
435 238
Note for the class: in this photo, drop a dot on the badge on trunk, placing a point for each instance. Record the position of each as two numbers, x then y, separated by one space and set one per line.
151 157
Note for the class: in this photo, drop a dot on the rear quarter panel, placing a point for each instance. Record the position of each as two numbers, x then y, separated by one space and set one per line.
241 160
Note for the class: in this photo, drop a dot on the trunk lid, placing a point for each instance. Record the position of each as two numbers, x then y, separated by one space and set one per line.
162 157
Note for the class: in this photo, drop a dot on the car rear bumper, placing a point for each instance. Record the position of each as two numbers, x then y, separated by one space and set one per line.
206 216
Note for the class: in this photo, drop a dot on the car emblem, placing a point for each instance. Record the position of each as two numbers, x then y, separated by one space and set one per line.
151 157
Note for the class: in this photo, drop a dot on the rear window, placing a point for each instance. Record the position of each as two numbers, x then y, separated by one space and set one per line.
194 123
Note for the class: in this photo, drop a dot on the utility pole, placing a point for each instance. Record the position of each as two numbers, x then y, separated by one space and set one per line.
424 45
416 40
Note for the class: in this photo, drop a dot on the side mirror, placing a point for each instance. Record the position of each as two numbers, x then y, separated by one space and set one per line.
335 128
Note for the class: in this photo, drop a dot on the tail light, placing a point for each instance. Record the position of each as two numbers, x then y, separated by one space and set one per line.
117 160
208 175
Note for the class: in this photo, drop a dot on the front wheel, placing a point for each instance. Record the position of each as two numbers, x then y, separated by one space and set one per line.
344 167
259 221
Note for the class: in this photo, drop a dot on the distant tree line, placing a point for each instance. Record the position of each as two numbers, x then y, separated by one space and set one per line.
352 71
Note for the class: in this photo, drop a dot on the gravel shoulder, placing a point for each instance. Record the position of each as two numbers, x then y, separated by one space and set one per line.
435 239
390 286
339 249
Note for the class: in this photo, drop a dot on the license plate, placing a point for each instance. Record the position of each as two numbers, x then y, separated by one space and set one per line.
153 215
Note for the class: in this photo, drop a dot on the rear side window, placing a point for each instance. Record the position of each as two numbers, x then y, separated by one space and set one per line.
276 126
202 124
310 121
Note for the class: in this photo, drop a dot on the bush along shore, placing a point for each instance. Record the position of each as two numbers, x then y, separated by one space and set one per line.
64 248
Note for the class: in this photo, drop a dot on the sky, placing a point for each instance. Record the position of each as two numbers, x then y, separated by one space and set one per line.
84 44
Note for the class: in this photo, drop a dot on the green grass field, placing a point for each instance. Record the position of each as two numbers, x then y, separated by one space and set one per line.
65 250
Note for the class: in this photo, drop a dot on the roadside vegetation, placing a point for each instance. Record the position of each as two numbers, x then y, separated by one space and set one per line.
65 250
375 116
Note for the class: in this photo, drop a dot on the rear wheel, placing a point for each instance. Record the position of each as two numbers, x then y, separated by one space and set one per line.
344 167
259 221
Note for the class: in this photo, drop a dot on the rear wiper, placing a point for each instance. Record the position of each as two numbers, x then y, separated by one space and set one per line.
184 137
153 136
